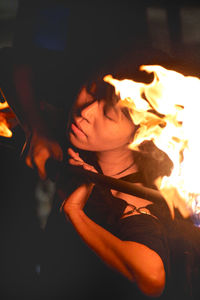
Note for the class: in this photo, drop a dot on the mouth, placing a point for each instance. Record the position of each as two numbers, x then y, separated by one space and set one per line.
77 130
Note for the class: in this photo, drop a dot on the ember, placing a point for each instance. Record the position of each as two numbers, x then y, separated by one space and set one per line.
168 114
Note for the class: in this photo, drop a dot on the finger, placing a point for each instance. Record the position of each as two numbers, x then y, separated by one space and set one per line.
74 155
89 168
70 151
75 162
84 165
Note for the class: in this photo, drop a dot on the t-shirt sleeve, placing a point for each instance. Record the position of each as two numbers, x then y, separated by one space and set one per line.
146 230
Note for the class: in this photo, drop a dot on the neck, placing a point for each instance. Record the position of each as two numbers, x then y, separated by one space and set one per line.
117 163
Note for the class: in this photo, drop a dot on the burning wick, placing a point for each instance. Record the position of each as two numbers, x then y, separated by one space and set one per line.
167 111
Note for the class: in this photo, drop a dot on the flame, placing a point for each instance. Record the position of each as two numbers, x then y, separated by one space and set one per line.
5 116
167 110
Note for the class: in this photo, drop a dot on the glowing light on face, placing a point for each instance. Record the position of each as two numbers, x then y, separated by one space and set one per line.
97 126
167 111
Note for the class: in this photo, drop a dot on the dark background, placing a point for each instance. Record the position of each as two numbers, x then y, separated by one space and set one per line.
170 24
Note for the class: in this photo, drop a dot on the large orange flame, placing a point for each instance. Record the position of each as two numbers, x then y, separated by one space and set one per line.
173 128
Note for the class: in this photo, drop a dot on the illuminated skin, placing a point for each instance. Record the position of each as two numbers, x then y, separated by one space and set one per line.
101 128
107 131
108 134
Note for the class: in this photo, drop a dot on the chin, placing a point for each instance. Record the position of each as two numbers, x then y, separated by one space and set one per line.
76 143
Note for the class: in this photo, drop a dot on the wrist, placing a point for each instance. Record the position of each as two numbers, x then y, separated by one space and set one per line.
77 200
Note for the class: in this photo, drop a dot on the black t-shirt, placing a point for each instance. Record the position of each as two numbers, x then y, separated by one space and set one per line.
70 268
176 241
107 210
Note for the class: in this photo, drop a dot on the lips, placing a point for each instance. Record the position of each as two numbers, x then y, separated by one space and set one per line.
78 126
77 129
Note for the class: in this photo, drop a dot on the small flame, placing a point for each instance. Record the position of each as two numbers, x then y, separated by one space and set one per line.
5 116
4 105
167 110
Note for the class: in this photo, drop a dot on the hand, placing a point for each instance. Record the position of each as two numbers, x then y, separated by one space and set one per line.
76 160
42 148
80 196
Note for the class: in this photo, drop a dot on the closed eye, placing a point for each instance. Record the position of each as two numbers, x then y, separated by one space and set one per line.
108 112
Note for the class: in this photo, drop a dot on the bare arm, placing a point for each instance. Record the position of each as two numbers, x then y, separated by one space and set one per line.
135 261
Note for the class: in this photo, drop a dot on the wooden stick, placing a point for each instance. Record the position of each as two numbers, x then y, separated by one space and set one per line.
55 170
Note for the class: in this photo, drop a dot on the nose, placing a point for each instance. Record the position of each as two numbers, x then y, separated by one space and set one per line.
89 112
